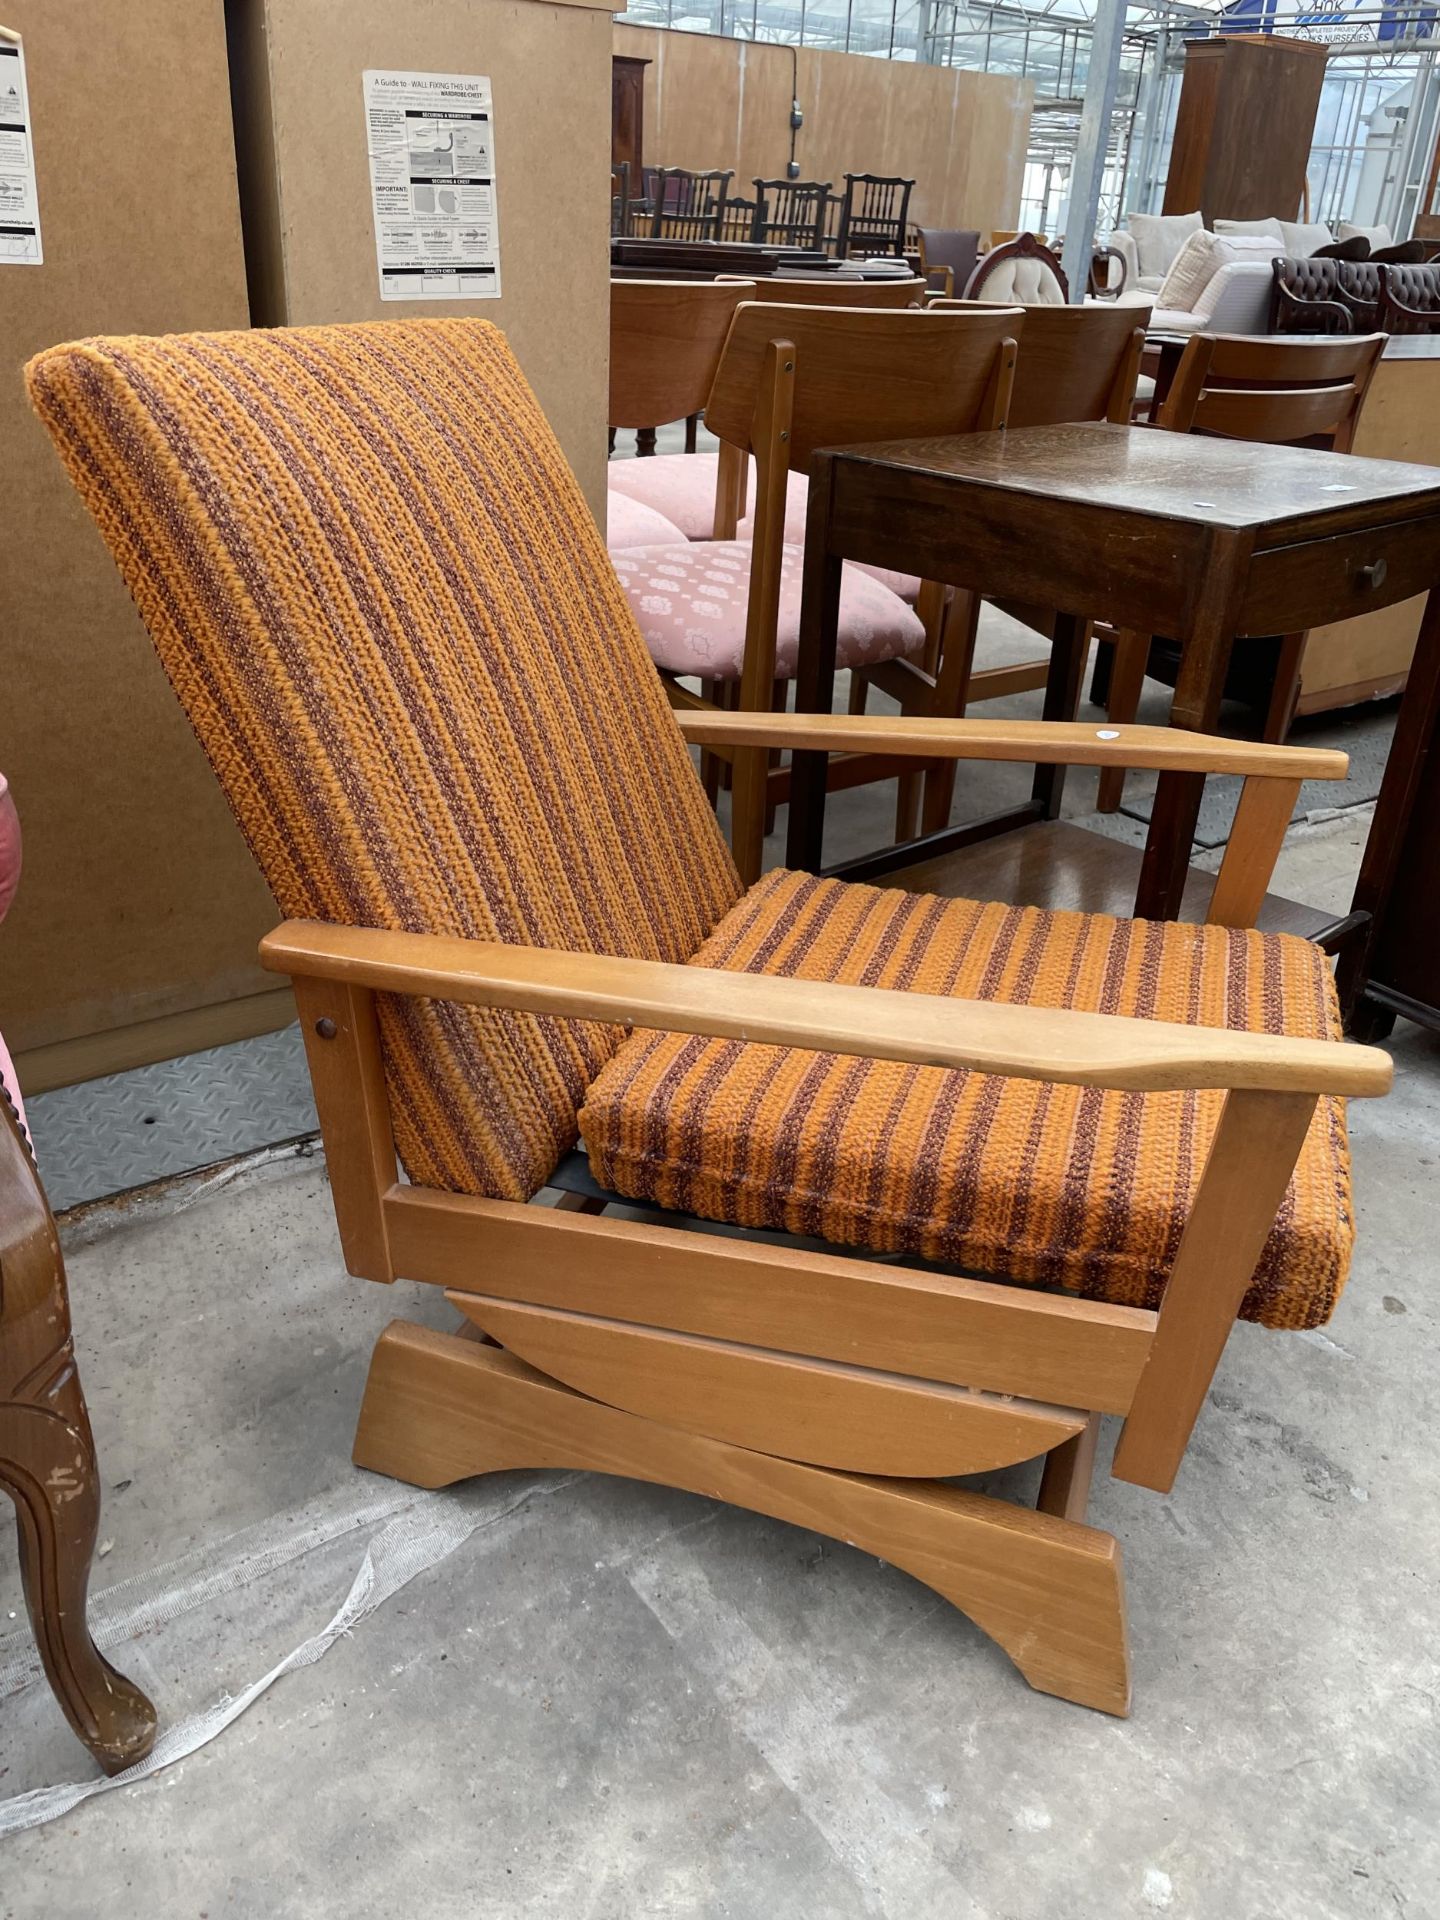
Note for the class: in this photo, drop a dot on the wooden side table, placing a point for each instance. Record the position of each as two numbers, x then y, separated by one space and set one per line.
1204 540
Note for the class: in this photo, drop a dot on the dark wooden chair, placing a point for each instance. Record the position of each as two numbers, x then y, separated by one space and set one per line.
1298 393
949 253
874 213
689 205
737 220
47 1464
1409 297
791 213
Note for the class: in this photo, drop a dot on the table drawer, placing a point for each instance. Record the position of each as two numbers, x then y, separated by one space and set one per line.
1317 581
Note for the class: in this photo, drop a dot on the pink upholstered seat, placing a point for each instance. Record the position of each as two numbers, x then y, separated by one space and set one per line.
630 523
9 880
907 585
690 603
682 487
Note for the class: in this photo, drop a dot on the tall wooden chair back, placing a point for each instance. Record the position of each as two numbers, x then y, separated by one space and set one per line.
1023 270
951 253
832 291
1288 391
666 338
1079 363
791 213
874 214
793 379
689 205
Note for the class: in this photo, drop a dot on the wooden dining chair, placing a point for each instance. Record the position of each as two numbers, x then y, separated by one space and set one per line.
513 923
726 612
1282 391
1076 363
874 214
665 342
791 213
689 205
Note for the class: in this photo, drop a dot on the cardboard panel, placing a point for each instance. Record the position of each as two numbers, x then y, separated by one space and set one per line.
713 102
306 181
139 900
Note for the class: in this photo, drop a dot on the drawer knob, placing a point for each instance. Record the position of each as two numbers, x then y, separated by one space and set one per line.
1371 577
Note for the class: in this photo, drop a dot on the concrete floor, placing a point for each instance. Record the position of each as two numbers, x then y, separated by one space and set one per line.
611 1700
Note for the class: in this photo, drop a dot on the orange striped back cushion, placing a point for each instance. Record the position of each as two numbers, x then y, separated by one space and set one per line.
387 611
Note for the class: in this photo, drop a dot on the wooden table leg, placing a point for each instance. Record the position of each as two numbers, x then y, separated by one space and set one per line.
1068 649
814 675
1417 736
1199 688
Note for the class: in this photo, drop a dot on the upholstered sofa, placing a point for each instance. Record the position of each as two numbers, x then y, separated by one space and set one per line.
1150 242
1216 283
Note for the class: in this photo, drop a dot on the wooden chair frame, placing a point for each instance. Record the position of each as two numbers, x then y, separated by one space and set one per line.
48 1467
1301 390
791 213
752 410
1055 381
680 218
821 1388
666 337
870 220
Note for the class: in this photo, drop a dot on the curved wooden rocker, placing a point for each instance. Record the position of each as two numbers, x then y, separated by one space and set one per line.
47 1465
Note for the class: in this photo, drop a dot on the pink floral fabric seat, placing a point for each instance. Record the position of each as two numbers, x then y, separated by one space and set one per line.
630 523
690 604
681 488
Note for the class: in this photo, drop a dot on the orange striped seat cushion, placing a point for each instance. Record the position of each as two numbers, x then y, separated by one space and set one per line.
1030 1181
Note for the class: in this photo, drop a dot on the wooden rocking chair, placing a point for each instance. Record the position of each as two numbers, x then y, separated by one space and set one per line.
386 609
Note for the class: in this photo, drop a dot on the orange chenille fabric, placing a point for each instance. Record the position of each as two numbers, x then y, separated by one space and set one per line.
385 607
1021 1179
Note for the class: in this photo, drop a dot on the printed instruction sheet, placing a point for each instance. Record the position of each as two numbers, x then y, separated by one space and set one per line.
432 182
19 204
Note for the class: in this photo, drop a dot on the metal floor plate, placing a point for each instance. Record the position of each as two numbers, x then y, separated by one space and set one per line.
128 1129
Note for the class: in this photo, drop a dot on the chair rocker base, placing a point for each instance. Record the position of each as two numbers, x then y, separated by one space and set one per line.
441 1407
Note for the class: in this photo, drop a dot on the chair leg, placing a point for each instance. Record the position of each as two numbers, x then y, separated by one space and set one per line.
1285 694
952 685
1131 655
1069 1469
644 442
47 1466
859 689
692 421
1049 1592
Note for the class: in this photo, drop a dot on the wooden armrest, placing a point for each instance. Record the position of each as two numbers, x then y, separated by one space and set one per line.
1027 1043
1071 742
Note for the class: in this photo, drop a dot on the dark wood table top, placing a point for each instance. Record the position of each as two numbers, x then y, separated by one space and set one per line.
1165 476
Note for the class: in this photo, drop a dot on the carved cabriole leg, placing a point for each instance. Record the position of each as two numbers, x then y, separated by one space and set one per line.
1048 1591
47 1465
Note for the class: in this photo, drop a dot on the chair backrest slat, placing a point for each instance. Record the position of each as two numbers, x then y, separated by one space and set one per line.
665 342
1284 391
863 375
386 609
832 291
1076 363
